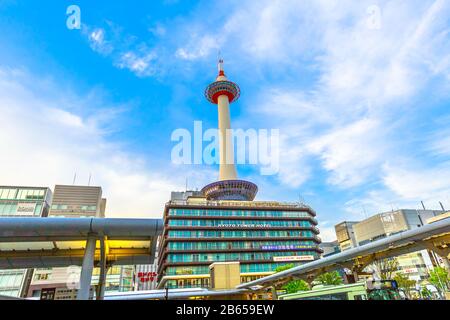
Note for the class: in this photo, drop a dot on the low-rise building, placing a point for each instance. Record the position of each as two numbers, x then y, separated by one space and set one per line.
416 264
23 202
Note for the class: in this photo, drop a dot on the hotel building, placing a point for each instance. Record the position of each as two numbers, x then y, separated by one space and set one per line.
260 235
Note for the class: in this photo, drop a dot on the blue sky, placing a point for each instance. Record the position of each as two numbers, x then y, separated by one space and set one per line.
358 89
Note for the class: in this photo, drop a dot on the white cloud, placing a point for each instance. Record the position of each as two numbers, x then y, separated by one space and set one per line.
44 144
367 78
366 81
199 47
430 184
97 40
139 63
327 233
352 152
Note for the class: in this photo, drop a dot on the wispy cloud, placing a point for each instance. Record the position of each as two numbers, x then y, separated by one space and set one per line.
123 49
47 143
341 91
139 63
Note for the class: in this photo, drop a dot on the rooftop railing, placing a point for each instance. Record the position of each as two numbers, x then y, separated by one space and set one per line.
250 204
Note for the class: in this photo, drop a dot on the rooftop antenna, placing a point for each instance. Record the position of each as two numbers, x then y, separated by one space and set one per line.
90 176
74 178
364 210
423 206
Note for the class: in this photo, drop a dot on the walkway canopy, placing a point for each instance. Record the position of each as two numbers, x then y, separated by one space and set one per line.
434 237
60 242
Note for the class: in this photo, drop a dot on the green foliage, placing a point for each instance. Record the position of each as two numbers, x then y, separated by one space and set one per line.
405 283
330 279
426 293
440 277
295 285
285 267
386 268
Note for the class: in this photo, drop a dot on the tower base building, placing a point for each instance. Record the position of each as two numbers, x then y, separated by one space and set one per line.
260 235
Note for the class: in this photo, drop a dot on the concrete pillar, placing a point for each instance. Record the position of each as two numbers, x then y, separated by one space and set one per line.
274 293
103 271
445 262
86 269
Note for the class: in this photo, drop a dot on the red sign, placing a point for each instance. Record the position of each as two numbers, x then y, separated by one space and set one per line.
147 276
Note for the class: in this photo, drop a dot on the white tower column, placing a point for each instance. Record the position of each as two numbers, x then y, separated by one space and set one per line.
222 93
227 167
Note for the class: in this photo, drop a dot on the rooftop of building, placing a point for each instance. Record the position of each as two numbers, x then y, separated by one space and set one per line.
198 201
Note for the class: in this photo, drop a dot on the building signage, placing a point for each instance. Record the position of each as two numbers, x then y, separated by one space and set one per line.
146 276
244 226
293 258
410 270
286 247
25 208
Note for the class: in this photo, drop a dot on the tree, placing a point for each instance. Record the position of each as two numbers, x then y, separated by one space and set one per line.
295 285
386 268
405 283
439 278
426 293
285 267
330 278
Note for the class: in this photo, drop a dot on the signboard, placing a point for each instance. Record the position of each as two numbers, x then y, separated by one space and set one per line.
25 208
244 226
48 294
286 247
147 276
293 258
410 270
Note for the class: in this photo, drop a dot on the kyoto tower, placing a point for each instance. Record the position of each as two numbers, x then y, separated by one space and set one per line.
222 93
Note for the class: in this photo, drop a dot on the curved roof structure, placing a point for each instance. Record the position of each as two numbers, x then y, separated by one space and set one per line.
433 236
60 242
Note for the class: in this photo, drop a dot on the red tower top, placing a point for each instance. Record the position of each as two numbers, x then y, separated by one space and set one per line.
222 87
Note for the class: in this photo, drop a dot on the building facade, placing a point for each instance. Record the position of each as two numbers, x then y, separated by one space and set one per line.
416 264
21 202
70 201
77 202
346 235
329 248
260 235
